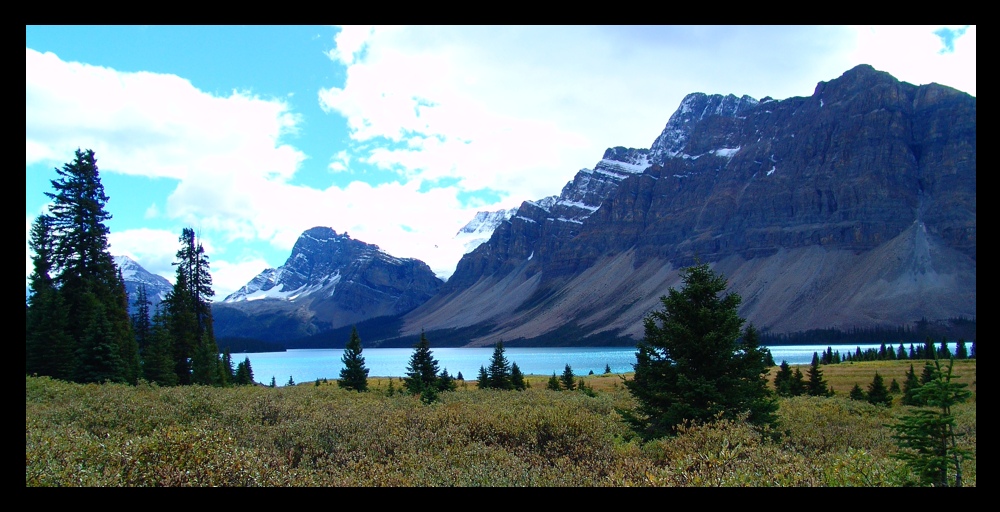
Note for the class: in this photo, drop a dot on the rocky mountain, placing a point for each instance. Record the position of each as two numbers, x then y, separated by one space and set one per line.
852 207
135 276
481 227
330 280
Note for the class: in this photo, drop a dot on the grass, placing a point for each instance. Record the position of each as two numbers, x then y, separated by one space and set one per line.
308 435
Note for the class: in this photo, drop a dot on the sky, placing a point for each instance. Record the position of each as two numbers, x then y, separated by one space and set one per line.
396 135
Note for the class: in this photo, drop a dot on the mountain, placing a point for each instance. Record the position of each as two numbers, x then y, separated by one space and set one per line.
330 280
481 227
852 207
135 276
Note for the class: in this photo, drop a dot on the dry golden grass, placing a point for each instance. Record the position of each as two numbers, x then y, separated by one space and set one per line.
842 377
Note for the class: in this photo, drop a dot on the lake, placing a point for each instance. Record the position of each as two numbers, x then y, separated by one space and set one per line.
307 365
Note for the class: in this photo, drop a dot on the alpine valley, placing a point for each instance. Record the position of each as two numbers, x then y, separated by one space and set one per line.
854 207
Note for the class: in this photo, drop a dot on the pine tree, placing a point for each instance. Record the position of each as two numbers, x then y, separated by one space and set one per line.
894 387
693 363
553 383
910 386
607 369
158 358
498 373
483 381
783 380
817 385
927 436
354 374
49 348
567 380
446 382
961 351
422 370
291 381
856 393
878 394
141 321
943 351
205 362
244 374
189 308
89 284
798 386
517 378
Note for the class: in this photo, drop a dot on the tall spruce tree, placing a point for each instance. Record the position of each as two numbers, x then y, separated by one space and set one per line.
517 378
189 314
422 370
499 370
693 363
86 277
49 348
567 380
817 385
353 375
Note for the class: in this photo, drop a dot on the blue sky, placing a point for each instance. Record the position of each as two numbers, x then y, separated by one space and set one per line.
396 135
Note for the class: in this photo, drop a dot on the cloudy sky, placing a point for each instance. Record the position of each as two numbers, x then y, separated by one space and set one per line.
395 135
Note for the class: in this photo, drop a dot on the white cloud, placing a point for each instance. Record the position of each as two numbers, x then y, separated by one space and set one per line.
913 54
154 249
151 124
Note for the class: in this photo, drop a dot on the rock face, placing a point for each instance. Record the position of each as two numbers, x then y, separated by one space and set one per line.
853 207
328 281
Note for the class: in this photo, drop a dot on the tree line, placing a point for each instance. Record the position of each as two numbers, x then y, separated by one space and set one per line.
77 325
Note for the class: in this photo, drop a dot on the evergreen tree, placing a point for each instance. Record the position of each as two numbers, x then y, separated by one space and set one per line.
354 374
517 378
291 381
783 380
928 374
498 373
607 369
86 277
817 385
483 381
553 383
910 386
141 320
943 351
422 370
901 352
927 436
459 377
566 380
894 387
878 394
961 351
446 382
158 358
49 348
929 350
972 350
189 308
693 363
856 393
205 362
798 386
244 374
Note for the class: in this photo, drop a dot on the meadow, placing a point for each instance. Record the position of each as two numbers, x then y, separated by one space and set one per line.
316 434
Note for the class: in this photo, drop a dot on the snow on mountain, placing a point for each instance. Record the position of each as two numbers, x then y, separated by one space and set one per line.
481 227
135 276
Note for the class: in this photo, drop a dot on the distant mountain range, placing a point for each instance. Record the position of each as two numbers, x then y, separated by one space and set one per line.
854 207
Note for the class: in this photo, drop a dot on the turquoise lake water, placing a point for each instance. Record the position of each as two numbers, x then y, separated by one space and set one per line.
307 365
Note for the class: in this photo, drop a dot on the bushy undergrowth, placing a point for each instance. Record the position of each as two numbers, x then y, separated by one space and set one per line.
118 435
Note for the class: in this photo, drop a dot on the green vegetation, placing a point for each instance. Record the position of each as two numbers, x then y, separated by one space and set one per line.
929 436
697 364
149 435
354 375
